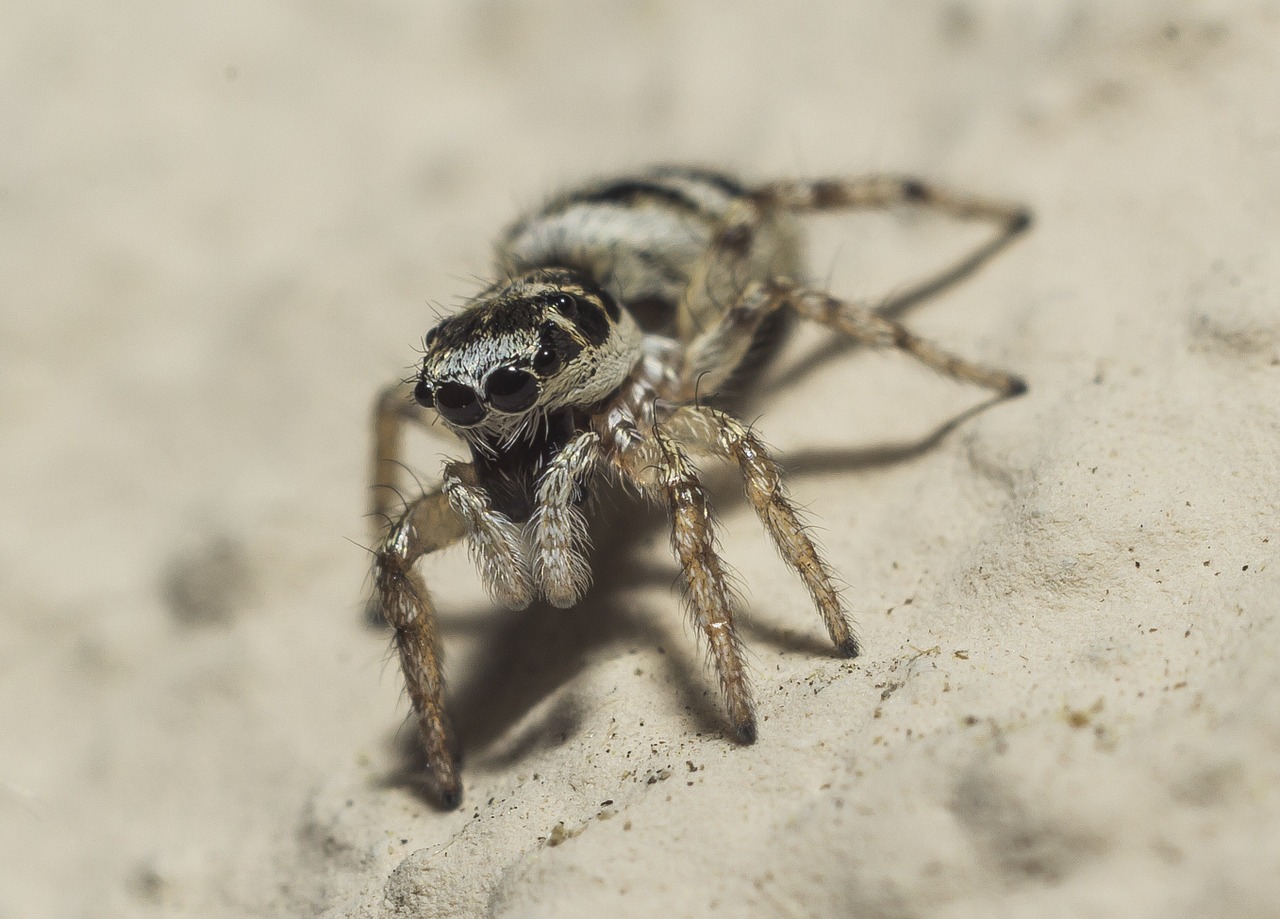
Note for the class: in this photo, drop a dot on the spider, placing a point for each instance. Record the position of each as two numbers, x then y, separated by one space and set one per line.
624 308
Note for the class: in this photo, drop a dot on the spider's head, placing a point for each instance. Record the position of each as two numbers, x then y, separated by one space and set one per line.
546 340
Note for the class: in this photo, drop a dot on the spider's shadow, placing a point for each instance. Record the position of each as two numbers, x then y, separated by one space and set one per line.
527 655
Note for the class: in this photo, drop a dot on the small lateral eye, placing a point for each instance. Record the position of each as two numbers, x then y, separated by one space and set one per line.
424 394
510 389
546 361
458 403
564 304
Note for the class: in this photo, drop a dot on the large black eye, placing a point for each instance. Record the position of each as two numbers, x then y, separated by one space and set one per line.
546 361
424 394
556 347
511 390
458 403
564 304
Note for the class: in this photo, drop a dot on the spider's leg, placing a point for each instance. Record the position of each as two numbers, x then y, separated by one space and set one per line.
668 471
713 354
726 436
390 413
558 528
494 540
715 348
877 192
732 247
392 410
427 525
868 326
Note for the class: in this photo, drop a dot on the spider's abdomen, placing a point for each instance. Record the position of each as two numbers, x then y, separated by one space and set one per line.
641 237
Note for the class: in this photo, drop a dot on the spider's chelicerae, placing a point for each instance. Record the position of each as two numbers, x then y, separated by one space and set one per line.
624 307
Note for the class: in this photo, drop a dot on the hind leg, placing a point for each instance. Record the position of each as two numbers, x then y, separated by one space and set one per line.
713 354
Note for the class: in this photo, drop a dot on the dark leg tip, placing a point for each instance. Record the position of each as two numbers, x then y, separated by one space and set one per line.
1016 387
1021 222
450 797
849 647
914 190
745 732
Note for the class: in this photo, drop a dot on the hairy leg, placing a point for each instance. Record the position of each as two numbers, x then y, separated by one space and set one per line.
427 525
719 347
870 327
392 410
672 475
725 436
732 247
878 192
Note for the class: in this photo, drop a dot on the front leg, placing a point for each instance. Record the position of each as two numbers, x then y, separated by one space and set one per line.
658 464
429 524
725 436
558 528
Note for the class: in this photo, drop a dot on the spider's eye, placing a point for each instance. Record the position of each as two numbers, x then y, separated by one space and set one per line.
564 304
509 389
424 394
546 361
458 403
556 347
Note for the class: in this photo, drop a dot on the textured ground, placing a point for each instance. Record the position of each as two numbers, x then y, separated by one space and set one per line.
223 226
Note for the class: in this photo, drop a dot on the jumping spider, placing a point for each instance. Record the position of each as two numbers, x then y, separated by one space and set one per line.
622 307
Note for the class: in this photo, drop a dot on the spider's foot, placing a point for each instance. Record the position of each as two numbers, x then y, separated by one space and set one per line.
1014 386
849 647
451 797
745 731
566 590
512 588
446 784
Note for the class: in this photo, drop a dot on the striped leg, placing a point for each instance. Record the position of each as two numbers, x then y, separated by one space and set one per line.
878 192
732 247
708 353
672 475
729 438
429 524
392 409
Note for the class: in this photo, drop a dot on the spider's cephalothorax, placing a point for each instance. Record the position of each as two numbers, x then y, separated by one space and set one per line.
512 374
527 348
626 305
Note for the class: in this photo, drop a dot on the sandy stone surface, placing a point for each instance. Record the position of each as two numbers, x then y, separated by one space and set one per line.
223 226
